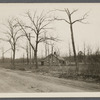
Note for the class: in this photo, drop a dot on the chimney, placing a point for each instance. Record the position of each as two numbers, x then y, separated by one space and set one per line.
55 53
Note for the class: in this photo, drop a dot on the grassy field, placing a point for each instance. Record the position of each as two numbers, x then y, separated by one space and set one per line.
90 73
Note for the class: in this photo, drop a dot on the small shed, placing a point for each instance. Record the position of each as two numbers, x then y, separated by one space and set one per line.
53 60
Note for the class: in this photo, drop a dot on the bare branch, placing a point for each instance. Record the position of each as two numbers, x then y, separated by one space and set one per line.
81 19
31 28
32 19
73 11
44 26
6 51
22 47
58 10
19 37
4 39
7 33
62 20
26 35
16 32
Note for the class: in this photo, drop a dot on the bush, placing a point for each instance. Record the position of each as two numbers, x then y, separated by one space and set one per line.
70 73
22 69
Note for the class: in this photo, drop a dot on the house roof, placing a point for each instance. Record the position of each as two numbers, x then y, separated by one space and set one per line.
56 56
60 58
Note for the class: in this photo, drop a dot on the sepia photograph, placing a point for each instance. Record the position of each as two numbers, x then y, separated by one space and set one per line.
49 48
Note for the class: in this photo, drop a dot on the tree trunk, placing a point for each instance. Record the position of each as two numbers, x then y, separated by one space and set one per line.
14 50
73 45
30 49
27 53
84 54
13 59
23 58
35 59
35 53
45 50
2 55
27 59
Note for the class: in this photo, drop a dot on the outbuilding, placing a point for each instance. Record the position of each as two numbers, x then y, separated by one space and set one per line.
53 60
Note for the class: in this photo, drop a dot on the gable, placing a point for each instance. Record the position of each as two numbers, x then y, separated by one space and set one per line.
53 57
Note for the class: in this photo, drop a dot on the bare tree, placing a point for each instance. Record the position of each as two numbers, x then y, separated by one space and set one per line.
84 51
30 49
89 50
12 36
38 26
3 54
70 53
46 47
52 47
70 22
2 50
69 49
27 52
23 58
26 48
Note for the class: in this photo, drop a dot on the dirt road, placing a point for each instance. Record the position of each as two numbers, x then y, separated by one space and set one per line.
20 82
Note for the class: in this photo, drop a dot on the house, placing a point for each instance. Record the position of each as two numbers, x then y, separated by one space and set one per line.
53 60
80 57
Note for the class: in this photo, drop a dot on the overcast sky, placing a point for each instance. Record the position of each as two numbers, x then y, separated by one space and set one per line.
88 33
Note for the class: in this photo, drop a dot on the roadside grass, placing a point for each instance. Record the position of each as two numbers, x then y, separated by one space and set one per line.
87 72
